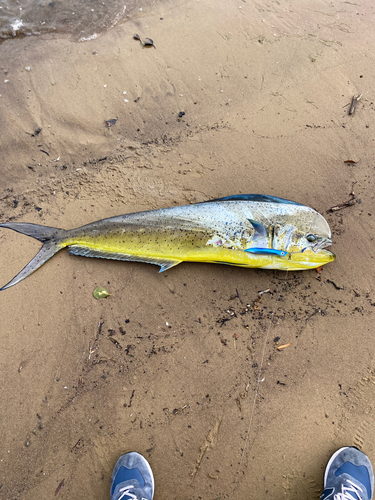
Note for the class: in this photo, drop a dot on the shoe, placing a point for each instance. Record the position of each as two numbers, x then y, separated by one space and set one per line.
132 478
348 476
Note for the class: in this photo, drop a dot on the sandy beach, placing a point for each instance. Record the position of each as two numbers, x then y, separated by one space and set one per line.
234 97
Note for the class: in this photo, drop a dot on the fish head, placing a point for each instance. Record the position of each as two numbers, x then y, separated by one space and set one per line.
304 234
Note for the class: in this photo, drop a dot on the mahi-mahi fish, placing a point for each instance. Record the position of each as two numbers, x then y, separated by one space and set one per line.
250 230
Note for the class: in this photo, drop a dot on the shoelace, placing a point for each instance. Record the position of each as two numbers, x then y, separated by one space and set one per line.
344 495
125 491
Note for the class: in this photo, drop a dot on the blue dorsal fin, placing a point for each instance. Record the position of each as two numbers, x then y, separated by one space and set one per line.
264 198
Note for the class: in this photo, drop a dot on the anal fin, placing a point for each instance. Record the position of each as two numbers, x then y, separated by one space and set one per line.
89 252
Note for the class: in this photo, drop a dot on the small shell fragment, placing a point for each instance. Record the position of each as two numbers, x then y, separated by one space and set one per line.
355 99
110 122
148 42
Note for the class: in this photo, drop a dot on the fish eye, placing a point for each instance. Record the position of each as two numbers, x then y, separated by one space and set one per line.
311 238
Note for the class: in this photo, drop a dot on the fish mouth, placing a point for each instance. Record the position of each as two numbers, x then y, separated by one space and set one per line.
309 259
321 252
322 244
327 254
321 256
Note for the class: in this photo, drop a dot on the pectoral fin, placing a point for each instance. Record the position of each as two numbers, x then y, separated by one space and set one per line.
260 231
267 251
89 252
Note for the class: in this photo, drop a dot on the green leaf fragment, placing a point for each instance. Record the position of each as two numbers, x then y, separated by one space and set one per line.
100 293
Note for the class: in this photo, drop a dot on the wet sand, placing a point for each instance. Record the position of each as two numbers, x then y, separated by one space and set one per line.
266 90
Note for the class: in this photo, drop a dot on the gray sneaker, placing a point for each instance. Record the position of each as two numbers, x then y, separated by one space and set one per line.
132 478
348 476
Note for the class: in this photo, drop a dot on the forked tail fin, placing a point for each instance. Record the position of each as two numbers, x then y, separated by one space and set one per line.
53 242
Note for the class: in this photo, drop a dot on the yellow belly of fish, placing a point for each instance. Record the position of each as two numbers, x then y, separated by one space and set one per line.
148 246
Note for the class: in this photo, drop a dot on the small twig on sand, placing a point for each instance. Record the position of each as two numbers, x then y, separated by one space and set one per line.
355 99
346 204
238 295
334 284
